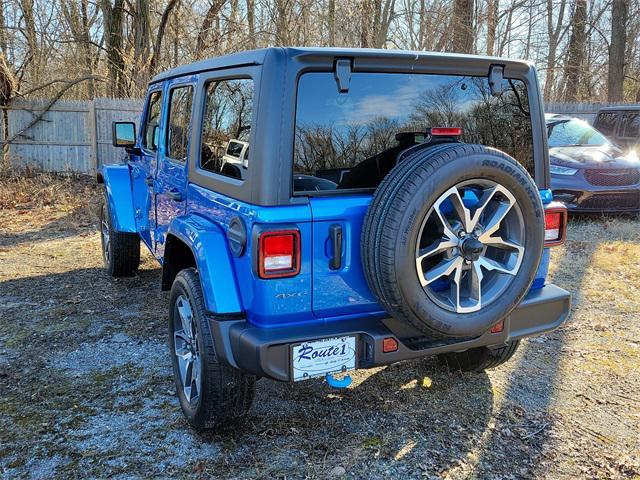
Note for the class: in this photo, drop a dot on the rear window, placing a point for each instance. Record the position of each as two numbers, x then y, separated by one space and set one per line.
352 139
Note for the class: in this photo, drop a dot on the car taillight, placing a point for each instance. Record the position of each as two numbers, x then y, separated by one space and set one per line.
446 131
279 254
555 224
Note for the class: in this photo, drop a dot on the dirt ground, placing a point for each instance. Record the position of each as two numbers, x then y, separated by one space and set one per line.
86 387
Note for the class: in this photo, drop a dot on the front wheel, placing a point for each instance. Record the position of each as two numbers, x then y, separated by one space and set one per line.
481 358
120 251
212 394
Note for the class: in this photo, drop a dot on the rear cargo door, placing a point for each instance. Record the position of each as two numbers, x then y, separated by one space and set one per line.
339 286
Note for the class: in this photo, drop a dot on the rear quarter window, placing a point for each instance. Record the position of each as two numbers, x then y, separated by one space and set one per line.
606 123
353 138
630 126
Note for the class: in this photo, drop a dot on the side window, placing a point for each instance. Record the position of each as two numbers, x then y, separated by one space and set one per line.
152 122
606 123
630 127
226 126
179 124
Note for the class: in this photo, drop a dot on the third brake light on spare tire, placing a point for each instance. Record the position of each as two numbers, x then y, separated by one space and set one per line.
445 131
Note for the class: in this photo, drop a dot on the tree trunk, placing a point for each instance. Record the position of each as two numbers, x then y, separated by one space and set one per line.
251 20
113 23
492 23
462 26
141 50
553 33
331 23
615 80
157 45
3 31
207 23
282 35
576 52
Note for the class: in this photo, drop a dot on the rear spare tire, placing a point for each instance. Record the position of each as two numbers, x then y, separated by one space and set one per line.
453 238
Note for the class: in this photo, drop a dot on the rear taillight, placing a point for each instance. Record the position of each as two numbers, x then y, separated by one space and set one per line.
446 131
555 224
279 254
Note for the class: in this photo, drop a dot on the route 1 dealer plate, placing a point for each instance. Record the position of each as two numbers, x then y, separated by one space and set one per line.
319 357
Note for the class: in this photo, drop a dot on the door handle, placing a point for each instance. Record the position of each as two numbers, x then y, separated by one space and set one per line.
335 234
175 195
149 180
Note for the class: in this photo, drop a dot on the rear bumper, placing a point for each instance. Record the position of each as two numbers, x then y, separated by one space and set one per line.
266 352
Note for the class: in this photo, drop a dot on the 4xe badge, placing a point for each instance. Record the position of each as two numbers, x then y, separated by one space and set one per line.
317 358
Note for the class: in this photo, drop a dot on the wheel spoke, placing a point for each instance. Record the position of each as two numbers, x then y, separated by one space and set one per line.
196 375
186 316
436 247
444 268
462 212
492 223
455 287
493 265
499 242
188 380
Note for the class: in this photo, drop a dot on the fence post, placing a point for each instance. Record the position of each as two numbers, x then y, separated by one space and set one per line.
93 134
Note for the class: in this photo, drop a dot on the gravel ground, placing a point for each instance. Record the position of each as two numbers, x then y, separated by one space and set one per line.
86 387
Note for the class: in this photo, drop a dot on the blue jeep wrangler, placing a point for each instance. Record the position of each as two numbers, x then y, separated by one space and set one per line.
317 211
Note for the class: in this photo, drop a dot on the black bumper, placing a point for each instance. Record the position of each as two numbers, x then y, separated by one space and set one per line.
266 352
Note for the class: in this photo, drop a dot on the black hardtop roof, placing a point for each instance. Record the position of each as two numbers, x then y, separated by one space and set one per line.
620 108
257 57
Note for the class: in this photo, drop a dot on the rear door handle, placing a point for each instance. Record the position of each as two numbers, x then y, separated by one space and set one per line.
335 233
175 195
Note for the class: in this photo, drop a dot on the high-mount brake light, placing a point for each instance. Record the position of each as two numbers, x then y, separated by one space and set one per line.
279 254
555 224
446 131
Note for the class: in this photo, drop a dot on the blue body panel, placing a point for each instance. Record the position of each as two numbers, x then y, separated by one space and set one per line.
343 291
275 302
209 246
117 182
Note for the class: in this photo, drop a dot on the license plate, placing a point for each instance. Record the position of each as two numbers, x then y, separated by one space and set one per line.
319 357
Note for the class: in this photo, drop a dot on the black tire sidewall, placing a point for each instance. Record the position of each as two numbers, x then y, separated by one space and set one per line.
486 165
193 412
105 214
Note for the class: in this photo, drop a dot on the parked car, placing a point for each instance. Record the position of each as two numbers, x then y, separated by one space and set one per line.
621 125
589 173
434 243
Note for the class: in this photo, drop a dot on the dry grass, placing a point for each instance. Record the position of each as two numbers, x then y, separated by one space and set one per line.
87 389
29 190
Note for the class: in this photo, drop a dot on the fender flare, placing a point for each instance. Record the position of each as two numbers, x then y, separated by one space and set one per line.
208 244
117 184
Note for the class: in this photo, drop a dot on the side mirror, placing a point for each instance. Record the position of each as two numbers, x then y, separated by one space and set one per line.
124 134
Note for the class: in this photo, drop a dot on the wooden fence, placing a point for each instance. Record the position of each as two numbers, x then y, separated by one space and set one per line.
76 135
71 136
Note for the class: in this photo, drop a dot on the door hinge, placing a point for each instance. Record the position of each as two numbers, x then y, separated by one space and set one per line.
342 74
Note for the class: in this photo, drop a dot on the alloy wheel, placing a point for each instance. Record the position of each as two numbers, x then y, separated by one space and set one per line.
186 349
470 245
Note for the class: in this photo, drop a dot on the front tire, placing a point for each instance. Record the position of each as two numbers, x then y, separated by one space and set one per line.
212 394
120 251
479 359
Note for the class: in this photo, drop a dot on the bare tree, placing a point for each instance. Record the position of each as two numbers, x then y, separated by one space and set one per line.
576 53
462 26
615 79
